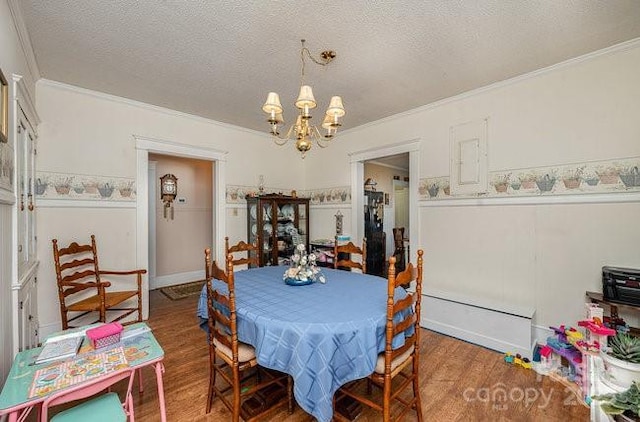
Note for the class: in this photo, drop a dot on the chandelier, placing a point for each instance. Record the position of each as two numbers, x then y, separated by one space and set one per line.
302 131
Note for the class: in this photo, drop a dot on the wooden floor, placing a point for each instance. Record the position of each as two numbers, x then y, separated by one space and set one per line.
460 381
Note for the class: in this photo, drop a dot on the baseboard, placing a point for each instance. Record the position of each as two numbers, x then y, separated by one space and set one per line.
47 329
539 334
174 279
481 325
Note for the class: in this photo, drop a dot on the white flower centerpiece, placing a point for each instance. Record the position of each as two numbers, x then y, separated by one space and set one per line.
303 268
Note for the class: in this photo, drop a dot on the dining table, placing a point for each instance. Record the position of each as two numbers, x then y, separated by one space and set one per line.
322 334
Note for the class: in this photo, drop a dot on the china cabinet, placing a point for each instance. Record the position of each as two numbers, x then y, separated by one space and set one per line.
277 224
24 274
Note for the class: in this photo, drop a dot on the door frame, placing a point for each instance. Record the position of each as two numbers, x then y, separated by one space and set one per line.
144 146
357 185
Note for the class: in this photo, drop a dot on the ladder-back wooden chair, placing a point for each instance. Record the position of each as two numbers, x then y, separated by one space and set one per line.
101 408
250 260
351 250
82 290
250 392
400 362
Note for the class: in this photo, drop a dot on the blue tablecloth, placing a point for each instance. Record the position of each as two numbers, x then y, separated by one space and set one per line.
323 335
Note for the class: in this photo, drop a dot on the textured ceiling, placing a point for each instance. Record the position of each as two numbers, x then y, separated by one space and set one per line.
218 59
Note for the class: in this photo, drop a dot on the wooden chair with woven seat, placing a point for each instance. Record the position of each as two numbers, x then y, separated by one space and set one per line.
100 408
263 391
82 290
250 260
350 249
400 362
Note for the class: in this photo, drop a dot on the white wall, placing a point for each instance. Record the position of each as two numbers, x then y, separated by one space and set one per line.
545 256
88 134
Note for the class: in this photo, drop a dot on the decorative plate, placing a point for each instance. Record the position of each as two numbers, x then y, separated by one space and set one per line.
268 228
253 211
296 282
254 229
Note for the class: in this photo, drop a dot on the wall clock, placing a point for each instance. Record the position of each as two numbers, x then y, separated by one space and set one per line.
168 192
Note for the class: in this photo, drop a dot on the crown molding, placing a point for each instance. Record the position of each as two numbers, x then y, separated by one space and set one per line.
24 39
142 105
617 48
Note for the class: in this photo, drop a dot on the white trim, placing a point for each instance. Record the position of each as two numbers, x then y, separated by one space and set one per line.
331 206
82 203
152 223
161 146
357 185
144 106
179 278
587 198
24 39
219 184
25 101
144 146
142 223
626 45
385 151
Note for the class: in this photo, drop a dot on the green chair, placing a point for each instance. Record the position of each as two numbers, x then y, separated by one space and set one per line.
102 408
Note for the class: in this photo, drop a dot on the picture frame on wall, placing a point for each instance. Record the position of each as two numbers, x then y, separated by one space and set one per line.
4 108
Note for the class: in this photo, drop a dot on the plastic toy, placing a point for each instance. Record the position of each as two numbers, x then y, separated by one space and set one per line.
517 360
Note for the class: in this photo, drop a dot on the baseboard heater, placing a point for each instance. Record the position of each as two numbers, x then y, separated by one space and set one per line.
497 326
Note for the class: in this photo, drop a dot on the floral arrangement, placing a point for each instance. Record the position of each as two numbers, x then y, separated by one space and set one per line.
303 267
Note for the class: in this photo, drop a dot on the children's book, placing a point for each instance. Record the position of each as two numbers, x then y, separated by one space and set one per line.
62 348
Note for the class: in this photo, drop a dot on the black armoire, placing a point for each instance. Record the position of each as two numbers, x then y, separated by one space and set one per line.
374 232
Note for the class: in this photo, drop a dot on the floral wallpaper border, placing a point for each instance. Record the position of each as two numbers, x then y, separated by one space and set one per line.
236 194
607 176
68 186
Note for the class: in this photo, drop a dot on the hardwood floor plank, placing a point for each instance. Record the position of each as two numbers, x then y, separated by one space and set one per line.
448 366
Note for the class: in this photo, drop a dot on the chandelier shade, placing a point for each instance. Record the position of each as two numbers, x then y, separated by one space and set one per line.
302 131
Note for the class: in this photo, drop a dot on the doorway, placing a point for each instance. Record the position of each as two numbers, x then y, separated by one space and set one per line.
186 220
146 146
404 151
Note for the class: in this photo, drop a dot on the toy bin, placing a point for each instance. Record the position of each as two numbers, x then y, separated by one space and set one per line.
105 335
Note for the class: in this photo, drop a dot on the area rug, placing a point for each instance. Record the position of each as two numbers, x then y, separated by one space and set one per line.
182 291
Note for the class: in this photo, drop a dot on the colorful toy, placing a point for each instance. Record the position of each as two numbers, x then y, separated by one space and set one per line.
517 360
508 357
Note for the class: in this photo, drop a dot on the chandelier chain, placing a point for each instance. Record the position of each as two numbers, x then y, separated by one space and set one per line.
326 59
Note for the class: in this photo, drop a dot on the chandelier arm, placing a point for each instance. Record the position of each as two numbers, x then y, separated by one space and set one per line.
281 140
278 140
322 143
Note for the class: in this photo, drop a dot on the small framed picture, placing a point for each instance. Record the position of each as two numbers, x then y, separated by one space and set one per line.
4 109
